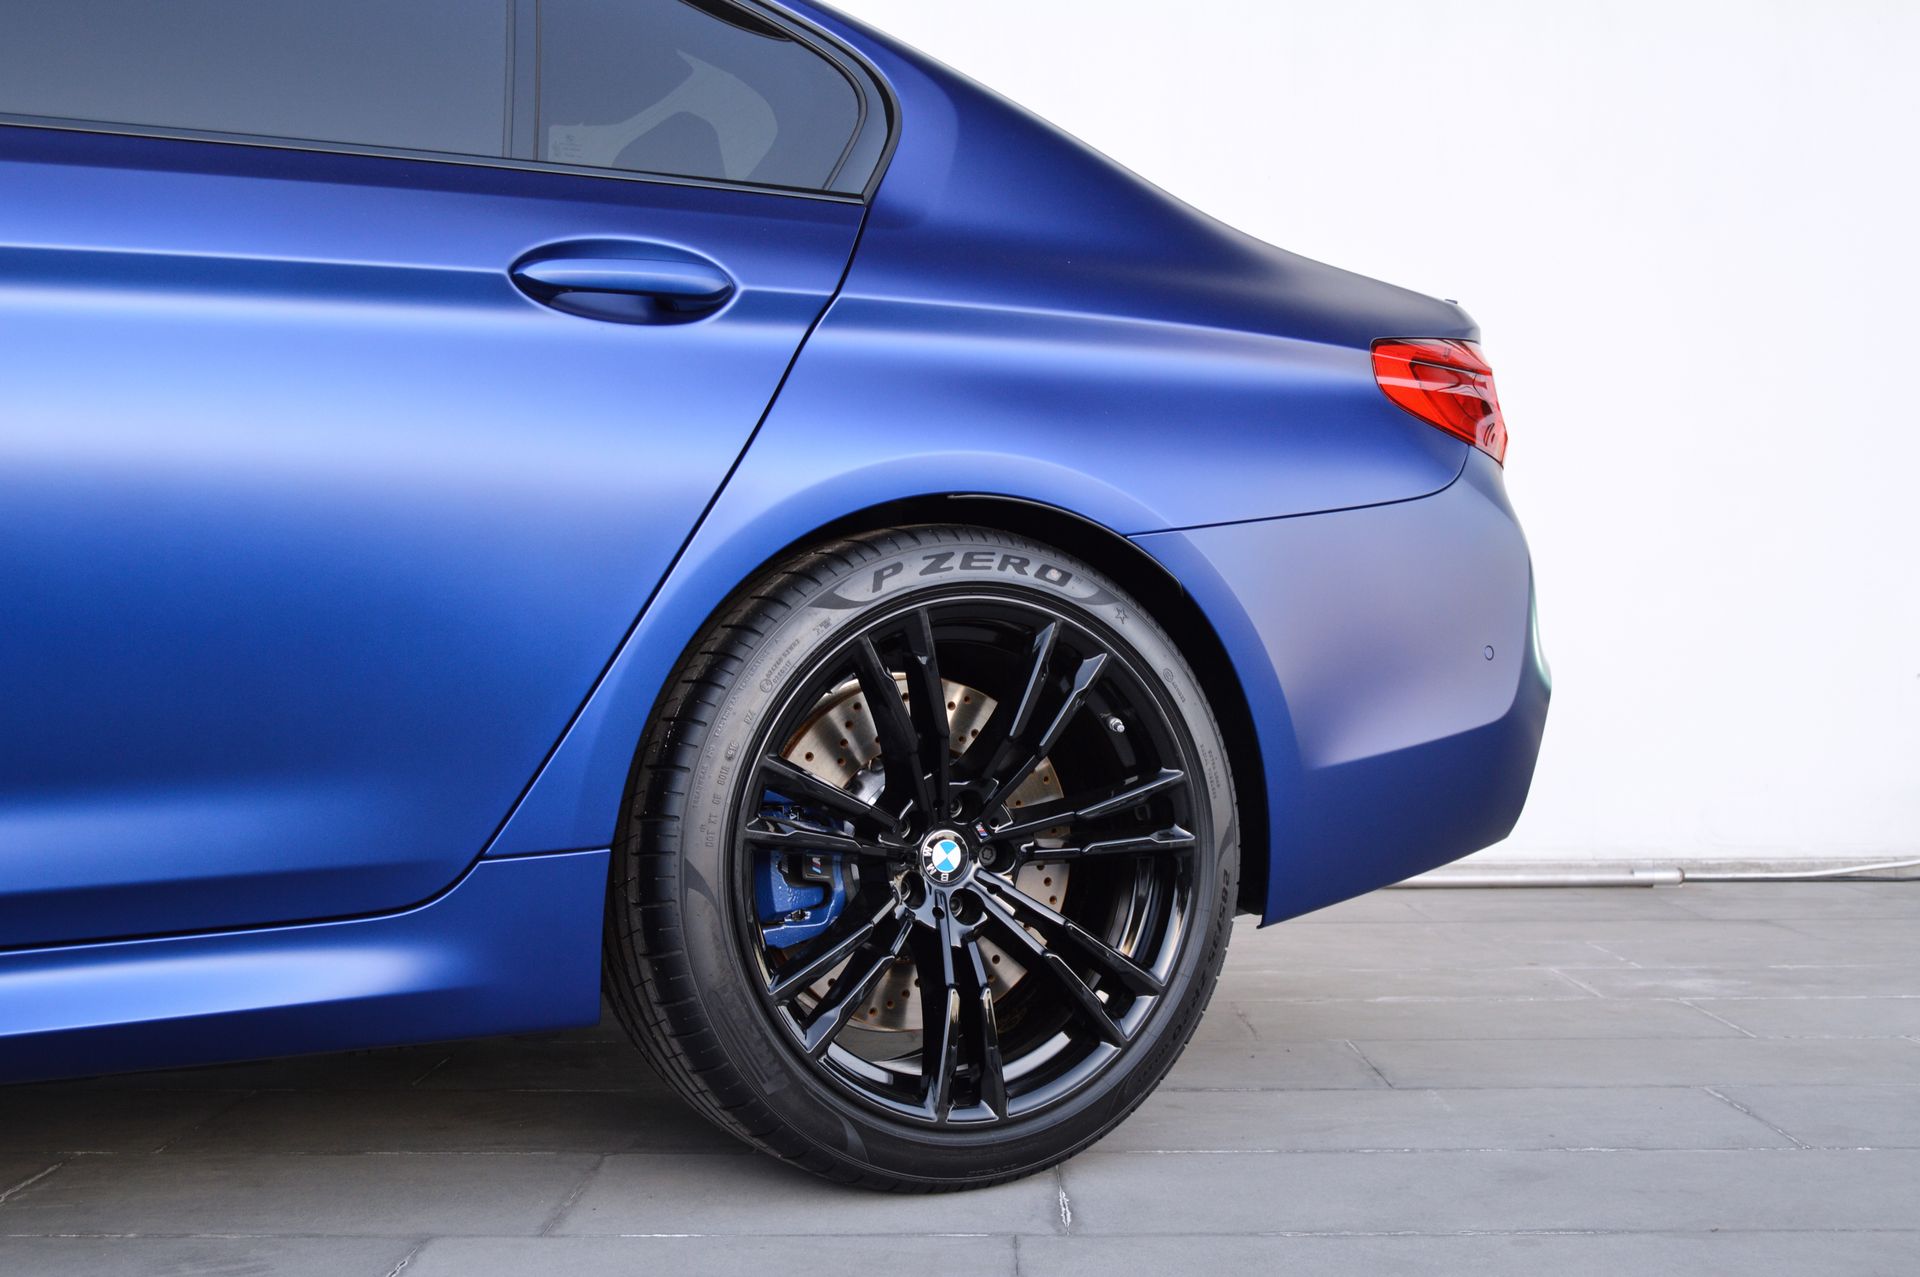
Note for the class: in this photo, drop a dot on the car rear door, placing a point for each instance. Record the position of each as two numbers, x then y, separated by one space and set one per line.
363 367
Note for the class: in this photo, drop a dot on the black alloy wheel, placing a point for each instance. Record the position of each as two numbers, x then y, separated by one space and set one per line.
928 864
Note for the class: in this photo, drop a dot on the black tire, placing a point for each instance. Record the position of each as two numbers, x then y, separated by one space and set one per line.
1009 1082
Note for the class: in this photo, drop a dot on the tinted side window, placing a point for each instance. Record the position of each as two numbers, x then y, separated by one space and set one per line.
684 88
667 86
412 74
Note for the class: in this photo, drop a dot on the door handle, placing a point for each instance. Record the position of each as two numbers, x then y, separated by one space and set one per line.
631 290
681 281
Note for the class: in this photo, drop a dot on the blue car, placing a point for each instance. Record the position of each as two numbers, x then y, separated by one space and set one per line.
509 501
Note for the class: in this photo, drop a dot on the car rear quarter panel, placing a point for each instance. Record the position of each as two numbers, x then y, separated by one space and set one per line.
1391 664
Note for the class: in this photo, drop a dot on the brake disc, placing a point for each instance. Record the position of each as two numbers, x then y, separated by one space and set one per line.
841 746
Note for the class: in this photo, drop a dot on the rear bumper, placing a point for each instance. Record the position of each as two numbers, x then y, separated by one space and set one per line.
1391 664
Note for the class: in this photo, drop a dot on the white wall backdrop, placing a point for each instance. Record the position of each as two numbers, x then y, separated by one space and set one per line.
1688 229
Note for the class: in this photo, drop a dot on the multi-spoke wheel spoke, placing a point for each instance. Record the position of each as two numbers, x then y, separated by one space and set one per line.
792 982
1012 904
1000 738
986 1037
937 962
1005 782
960 1030
1155 843
1073 811
864 969
1039 956
803 785
805 838
906 776
926 700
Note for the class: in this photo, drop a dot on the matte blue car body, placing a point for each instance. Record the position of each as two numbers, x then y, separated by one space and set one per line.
339 453
314 528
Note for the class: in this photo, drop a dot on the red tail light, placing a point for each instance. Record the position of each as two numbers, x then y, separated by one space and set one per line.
1445 384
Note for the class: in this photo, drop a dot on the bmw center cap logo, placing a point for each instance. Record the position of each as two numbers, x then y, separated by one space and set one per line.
944 856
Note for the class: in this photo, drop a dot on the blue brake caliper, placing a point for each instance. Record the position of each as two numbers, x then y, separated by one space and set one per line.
797 894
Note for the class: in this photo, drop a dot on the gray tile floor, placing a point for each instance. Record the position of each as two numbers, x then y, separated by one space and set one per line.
1690 1080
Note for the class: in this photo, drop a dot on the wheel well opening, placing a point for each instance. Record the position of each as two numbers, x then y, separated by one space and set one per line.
1156 589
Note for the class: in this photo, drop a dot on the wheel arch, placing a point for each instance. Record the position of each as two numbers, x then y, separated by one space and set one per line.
575 798
1151 583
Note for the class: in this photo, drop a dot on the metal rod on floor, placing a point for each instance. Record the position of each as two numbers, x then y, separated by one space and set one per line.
1672 876
1548 878
1802 875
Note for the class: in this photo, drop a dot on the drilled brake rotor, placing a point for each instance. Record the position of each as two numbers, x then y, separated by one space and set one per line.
841 746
